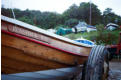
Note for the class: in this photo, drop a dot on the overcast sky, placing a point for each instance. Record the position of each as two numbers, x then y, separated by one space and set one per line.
60 6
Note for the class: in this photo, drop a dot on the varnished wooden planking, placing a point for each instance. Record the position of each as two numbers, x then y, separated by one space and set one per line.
20 65
40 50
21 53
22 56
80 50
74 48
8 70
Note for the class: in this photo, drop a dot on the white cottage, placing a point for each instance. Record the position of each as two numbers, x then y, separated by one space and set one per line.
111 26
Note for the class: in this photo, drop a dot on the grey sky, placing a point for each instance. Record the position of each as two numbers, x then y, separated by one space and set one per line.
60 5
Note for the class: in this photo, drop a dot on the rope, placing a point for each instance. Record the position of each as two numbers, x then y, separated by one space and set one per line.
11 6
13 14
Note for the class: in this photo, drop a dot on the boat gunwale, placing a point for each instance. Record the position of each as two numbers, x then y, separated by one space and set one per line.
34 28
39 42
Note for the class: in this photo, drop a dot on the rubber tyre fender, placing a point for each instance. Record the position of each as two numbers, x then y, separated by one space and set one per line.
94 67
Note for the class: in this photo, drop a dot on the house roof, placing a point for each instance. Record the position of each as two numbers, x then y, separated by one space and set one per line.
112 24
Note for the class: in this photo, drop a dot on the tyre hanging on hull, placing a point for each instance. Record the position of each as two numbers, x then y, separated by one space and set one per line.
97 66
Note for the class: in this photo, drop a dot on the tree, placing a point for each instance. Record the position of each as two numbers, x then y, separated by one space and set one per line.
49 19
82 13
107 11
71 22
26 19
6 12
72 12
70 17
111 17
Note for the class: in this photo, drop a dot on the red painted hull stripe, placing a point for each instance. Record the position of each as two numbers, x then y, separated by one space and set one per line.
27 38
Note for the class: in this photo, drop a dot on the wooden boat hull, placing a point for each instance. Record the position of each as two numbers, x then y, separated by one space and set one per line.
22 52
25 56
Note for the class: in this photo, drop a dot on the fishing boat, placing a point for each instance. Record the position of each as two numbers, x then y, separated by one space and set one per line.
85 41
27 48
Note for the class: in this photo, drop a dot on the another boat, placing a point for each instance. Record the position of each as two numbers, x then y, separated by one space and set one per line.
85 41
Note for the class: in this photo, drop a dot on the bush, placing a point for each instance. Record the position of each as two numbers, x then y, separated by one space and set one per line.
106 37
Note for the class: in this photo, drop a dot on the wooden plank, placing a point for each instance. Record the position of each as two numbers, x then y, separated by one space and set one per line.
22 56
78 49
8 70
20 65
41 51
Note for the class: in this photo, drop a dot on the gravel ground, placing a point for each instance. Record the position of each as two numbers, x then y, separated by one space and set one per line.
115 70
